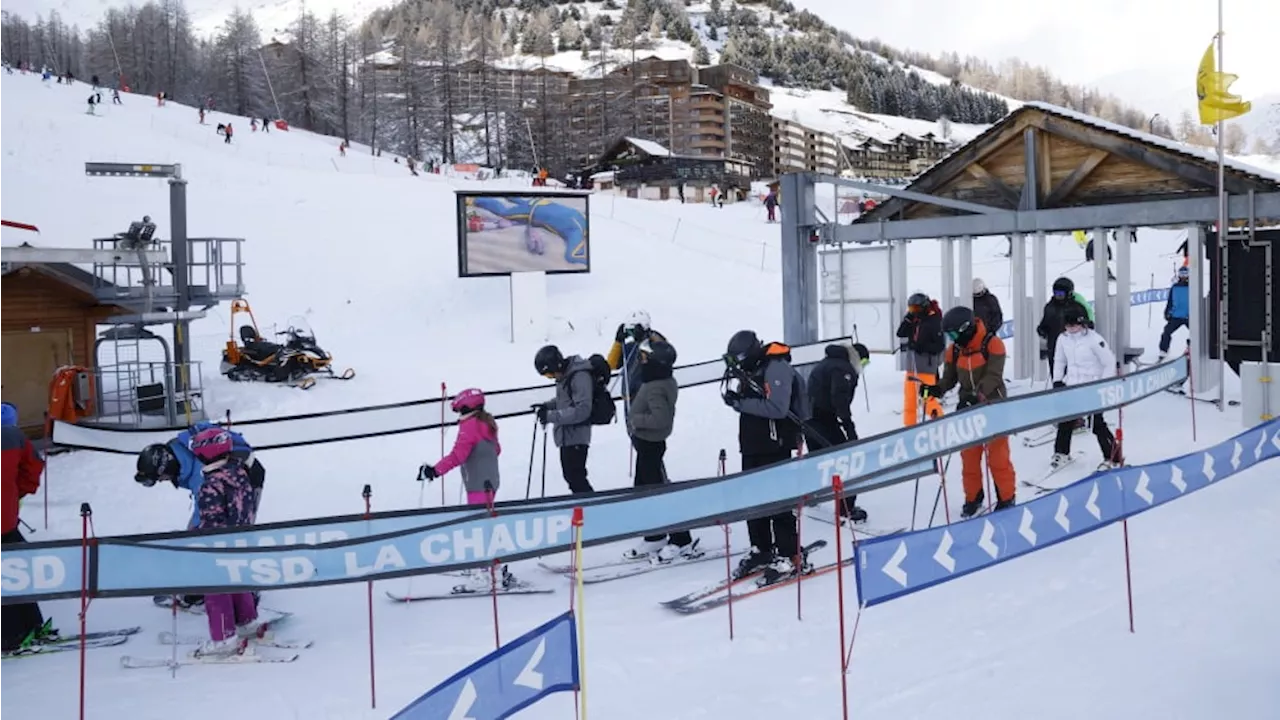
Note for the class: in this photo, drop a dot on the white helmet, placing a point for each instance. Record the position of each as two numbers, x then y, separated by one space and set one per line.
979 287
638 318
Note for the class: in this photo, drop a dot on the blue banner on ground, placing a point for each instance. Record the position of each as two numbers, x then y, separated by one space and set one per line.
891 567
133 566
540 662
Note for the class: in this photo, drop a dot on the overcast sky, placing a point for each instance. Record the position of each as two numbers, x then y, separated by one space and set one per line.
1146 51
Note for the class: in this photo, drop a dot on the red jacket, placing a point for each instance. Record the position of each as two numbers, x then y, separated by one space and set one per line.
22 468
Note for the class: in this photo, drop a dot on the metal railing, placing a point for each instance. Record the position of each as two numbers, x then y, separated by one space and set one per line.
215 272
140 394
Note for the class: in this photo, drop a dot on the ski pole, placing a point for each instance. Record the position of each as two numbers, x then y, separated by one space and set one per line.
544 461
533 444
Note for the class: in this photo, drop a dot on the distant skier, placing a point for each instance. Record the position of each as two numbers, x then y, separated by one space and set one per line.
832 385
987 306
94 79
115 97
475 452
201 111
227 135
253 124
1081 357
266 124
225 500
771 205
569 413
23 624
1177 310
92 102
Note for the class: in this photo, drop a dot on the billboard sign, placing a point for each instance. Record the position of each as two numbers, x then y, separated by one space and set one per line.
500 233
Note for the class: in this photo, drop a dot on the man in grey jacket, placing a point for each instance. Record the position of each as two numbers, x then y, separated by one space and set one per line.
569 413
652 418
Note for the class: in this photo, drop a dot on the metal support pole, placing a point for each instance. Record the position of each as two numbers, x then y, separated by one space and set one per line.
1102 316
180 254
1018 301
1039 291
1124 292
949 295
1198 318
966 263
800 309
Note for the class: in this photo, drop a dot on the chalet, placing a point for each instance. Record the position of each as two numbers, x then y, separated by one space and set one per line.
645 169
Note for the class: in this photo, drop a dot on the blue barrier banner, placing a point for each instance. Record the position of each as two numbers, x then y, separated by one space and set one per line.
1136 298
44 572
540 662
133 566
891 567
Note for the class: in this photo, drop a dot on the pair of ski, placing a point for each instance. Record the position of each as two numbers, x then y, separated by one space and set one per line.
254 649
759 581
814 513
98 639
517 587
1049 435
630 567
1197 398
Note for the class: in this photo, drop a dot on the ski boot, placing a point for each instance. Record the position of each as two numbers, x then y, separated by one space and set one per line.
646 549
672 552
971 507
783 569
1059 461
1005 504
755 561
46 633
225 648
852 514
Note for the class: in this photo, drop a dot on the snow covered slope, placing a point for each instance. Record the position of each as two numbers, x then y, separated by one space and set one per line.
367 251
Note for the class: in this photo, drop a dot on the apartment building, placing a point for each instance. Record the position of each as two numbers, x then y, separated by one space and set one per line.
798 148
903 156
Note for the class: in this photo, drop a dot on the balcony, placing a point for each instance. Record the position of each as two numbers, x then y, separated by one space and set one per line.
215 273
707 143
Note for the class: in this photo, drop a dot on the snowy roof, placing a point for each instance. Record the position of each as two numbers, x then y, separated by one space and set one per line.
649 147
1192 151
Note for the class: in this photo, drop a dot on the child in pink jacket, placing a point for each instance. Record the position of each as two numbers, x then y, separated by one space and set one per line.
475 451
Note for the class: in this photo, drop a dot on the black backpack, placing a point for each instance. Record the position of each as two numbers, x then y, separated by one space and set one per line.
603 411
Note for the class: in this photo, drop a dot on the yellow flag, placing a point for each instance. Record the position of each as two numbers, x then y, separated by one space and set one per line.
1211 90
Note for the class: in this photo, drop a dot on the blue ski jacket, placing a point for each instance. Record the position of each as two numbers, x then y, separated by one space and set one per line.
191 470
1179 302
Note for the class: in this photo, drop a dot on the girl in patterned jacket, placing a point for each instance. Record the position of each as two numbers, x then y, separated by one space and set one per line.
225 499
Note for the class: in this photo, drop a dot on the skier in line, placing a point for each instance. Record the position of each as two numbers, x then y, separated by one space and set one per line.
569 413
832 385
225 500
975 363
987 306
1050 327
650 423
23 624
176 462
1082 356
767 389
1177 310
920 340
475 452
624 354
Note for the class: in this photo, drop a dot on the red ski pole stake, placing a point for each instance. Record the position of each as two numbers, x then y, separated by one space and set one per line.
367 494
1191 380
728 569
444 399
493 572
86 523
838 486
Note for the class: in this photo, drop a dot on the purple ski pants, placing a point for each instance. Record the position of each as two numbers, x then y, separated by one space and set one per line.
226 611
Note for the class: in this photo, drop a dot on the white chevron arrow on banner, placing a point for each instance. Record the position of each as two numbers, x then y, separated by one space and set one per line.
984 542
466 699
1061 516
1024 527
1275 440
1142 491
1208 467
1092 503
1262 441
893 568
530 677
1175 479
1236 450
943 553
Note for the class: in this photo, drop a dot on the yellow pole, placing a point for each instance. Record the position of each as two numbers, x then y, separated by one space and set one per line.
582 633
186 377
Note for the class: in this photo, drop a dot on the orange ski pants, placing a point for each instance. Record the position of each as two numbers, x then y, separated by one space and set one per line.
911 396
1002 473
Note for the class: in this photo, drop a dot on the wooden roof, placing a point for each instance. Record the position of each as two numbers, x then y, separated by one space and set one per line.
1080 161
78 281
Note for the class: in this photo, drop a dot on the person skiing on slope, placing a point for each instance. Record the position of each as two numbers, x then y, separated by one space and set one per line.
832 385
92 101
1050 327
225 500
23 625
975 363
1082 356
1177 310
771 206
177 463
227 135
987 306
767 389
475 452
569 413
650 423
921 342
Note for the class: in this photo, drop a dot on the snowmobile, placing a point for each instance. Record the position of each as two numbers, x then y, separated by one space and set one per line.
292 362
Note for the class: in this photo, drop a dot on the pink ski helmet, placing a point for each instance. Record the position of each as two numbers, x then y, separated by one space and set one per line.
211 445
468 400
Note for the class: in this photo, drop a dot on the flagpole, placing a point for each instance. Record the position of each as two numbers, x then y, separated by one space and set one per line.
1222 241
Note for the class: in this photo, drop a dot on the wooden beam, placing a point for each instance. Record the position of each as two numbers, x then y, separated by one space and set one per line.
1007 194
1046 166
1197 171
1077 176
1030 199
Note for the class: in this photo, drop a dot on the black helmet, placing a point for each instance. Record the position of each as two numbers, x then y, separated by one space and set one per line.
659 353
1073 314
918 300
157 463
959 324
1064 286
861 354
744 349
548 360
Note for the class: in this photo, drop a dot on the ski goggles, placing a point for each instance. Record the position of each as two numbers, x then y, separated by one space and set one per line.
955 335
1059 294
145 480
